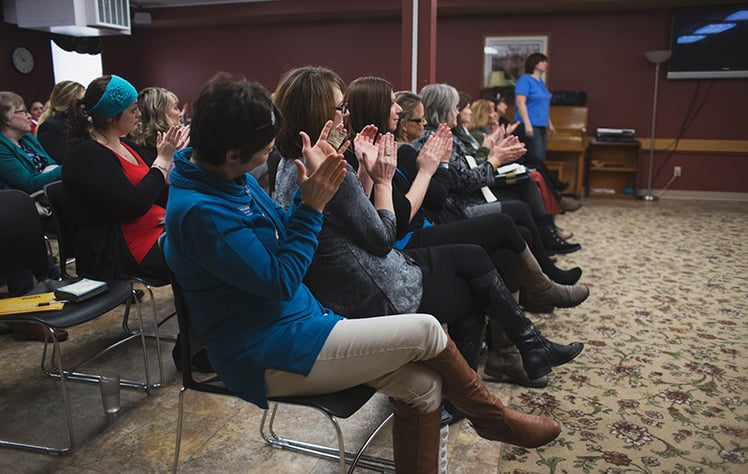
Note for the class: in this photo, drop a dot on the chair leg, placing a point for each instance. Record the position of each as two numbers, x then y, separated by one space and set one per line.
66 403
156 325
180 417
73 374
325 452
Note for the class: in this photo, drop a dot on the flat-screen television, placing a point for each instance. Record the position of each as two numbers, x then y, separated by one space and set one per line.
709 42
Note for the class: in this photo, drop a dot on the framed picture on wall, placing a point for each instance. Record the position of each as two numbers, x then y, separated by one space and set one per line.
504 57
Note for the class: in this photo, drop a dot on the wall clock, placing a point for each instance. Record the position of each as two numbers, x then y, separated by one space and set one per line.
23 60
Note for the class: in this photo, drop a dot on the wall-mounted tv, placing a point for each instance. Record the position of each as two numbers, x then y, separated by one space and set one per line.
709 42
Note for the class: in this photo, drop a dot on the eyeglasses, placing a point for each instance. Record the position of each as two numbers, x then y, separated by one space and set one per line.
22 111
342 108
418 120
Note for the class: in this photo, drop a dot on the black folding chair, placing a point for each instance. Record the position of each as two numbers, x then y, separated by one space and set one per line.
56 196
22 247
341 404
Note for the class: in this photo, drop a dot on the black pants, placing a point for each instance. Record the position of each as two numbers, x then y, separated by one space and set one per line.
447 272
495 233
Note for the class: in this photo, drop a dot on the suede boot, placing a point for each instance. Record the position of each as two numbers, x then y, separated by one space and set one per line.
541 291
538 353
415 439
504 362
488 416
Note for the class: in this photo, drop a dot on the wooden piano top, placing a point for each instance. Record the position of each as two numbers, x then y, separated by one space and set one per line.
570 122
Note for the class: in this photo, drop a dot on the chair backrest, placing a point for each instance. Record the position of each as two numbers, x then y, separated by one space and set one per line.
191 343
66 233
22 244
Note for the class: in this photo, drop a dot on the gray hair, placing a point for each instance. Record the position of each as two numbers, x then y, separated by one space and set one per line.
8 103
439 101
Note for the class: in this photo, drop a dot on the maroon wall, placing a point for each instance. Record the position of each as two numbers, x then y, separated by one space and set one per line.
39 83
601 53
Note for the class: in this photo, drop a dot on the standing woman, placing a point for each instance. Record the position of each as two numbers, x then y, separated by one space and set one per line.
113 194
51 128
533 106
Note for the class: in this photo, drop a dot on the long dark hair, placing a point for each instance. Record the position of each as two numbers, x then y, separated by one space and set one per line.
79 124
369 101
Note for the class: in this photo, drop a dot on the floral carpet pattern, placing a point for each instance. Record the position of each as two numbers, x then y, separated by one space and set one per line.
662 385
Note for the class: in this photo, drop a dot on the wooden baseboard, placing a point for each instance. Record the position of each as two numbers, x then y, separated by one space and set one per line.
697 146
699 195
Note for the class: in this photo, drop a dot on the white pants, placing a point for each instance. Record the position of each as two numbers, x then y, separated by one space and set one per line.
382 352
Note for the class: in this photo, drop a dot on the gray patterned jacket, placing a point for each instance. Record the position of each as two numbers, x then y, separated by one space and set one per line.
464 183
355 271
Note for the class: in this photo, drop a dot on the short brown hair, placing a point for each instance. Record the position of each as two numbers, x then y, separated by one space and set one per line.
305 97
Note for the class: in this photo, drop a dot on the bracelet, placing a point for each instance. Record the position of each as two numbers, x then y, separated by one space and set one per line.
444 166
159 167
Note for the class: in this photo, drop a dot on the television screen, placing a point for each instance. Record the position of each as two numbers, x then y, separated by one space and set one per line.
709 42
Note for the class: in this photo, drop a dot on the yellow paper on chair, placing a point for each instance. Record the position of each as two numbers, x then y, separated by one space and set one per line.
30 304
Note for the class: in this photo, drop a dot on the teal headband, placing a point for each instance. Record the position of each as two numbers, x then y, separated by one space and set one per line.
118 95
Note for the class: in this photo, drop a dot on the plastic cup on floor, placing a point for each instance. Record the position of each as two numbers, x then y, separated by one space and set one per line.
109 385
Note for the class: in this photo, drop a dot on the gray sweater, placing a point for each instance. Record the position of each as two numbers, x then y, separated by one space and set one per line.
355 271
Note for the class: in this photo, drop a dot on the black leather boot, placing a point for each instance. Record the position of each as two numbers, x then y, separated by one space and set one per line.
553 242
538 353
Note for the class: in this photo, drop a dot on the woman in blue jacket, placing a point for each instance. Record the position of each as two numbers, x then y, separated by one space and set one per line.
240 260
24 164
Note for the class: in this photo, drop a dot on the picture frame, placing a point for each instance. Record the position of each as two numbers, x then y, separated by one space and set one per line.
504 57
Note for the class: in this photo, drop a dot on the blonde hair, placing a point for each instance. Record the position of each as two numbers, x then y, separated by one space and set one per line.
154 104
65 95
481 109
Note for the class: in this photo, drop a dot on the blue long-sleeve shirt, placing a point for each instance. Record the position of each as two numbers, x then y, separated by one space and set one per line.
240 260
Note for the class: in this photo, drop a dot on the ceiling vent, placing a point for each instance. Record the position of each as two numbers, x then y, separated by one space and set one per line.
71 17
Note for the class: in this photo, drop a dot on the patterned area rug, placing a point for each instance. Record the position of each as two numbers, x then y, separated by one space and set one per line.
662 386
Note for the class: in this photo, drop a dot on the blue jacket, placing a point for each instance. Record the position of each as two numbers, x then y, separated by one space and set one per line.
16 169
240 261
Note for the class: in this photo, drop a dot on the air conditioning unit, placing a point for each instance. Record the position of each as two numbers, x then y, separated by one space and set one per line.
71 17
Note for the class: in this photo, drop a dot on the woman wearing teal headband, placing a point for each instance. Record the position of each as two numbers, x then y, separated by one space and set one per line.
115 193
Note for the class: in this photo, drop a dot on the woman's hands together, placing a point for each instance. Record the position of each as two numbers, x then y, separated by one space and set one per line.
320 178
436 150
506 151
175 138
384 167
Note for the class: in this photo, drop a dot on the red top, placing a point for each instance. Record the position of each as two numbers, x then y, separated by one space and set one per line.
141 233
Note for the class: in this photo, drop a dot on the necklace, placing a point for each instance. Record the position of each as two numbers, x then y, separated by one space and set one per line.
120 150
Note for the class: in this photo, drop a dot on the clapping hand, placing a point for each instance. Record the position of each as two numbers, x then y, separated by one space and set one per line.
366 148
437 149
316 154
506 151
320 179
175 138
386 163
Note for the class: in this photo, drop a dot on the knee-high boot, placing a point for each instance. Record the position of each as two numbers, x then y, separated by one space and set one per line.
538 353
490 418
541 291
504 362
415 439
468 335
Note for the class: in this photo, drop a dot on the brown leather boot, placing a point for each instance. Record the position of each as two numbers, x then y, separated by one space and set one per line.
541 291
415 439
504 362
489 417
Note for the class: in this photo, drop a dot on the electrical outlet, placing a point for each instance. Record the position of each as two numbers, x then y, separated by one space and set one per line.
676 171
